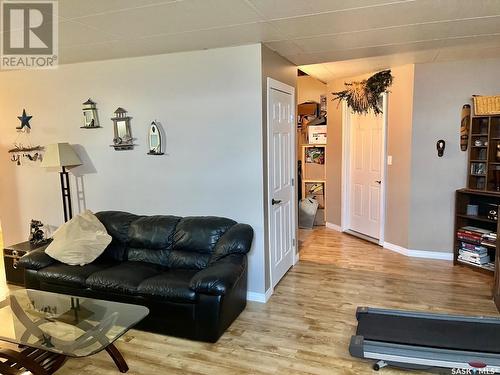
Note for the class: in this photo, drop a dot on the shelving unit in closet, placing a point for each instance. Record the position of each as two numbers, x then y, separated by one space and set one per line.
314 177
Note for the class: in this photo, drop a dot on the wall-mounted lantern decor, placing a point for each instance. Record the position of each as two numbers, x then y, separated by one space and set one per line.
155 139
23 150
90 118
123 137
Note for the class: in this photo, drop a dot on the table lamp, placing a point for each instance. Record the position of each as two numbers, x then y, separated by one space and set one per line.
62 155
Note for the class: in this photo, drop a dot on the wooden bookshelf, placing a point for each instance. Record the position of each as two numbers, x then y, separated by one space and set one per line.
485 201
483 167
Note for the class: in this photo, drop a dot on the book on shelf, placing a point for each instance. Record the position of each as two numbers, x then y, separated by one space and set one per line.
477 236
490 239
469 229
474 252
470 239
489 266
475 258
469 246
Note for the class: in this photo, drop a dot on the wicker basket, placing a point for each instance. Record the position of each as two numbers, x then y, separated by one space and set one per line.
486 105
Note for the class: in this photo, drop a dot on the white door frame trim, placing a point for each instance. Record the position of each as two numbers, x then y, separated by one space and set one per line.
280 86
346 153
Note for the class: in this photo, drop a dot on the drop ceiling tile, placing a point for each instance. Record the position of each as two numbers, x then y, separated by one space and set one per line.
105 51
74 33
273 9
284 47
196 40
478 50
401 35
69 9
364 66
351 68
339 55
174 18
385 16
213 38
319 71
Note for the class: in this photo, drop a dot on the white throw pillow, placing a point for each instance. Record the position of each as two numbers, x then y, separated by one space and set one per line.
79 241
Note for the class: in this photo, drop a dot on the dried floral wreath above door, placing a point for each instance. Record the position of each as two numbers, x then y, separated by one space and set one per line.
365 95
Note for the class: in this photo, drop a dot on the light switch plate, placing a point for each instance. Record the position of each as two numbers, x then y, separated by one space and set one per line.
389 159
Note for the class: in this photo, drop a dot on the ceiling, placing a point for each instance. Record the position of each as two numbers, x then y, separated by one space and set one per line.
303 31
329 71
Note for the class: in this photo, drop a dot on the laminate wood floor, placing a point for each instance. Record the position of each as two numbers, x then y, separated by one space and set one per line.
306 326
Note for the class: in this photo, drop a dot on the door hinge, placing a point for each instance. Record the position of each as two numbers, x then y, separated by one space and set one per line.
293 181
293 242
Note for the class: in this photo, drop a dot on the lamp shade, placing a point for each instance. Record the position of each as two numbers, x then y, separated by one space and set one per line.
60 155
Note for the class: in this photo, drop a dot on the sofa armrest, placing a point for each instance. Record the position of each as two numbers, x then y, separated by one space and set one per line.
221 276
35 260
237 240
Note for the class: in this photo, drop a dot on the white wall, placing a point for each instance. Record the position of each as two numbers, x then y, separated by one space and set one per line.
310 89
441 89
210 105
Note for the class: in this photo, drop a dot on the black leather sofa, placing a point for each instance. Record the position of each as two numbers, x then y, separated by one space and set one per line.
190 272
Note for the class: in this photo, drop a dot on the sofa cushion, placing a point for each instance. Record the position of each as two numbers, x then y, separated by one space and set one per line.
152 232
187 260
172 285
79 241
74 276
117 225
200 234
123 278
151 238
148 256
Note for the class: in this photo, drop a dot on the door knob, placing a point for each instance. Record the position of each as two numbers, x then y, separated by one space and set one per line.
378 182
274 201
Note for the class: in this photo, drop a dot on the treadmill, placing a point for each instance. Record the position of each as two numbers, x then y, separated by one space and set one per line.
415 340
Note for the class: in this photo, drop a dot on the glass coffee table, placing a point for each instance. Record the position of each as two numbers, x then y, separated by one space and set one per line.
50 327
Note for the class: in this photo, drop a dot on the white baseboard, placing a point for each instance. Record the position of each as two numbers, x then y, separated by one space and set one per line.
260 297
334 227
441 255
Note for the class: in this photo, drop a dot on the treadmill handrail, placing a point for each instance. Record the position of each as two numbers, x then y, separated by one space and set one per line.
435 316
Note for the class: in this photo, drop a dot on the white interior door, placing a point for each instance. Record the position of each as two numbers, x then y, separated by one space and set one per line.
365 174
281 190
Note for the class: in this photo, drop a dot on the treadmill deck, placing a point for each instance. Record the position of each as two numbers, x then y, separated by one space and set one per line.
475 336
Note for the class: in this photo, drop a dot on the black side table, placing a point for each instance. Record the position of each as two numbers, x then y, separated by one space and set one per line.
11 255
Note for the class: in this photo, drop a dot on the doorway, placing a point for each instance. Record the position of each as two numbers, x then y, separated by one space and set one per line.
281 178
363 172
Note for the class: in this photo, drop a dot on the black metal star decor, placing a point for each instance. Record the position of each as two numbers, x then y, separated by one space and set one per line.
25 120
